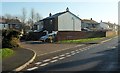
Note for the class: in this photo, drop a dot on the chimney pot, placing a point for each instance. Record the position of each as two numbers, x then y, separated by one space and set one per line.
50 15
67 9
91 18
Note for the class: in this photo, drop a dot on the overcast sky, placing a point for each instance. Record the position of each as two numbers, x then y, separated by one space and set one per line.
105 11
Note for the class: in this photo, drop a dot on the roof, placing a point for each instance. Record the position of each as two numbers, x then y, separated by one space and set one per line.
13 21
2 20
110 24
89 21
60 13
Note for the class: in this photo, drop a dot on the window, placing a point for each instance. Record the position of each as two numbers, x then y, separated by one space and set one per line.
16 26
50 21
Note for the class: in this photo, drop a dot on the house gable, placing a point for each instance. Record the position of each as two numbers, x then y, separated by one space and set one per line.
69 22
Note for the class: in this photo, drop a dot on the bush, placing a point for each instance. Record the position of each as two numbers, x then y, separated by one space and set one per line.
10 38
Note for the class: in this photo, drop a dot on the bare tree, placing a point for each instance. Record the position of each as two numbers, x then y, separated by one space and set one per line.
8 16
23 18
32 16
37 17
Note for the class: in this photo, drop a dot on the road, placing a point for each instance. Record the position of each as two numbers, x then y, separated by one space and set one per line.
95 57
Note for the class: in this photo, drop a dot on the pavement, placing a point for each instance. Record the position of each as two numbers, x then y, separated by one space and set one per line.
20 57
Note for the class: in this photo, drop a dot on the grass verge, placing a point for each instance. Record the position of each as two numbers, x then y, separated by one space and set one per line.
6 52
80 40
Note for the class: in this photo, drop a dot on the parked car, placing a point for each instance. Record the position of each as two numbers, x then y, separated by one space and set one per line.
48 38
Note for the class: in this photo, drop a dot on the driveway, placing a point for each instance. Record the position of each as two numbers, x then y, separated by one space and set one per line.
45 48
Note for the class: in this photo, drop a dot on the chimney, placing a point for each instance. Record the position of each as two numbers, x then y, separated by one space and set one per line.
67 9
91 19
50 15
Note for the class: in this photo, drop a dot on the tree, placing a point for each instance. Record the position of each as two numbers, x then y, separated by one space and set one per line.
24 12
8 16
32 16
37 17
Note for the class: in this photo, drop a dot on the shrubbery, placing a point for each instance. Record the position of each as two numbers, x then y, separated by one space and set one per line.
10 38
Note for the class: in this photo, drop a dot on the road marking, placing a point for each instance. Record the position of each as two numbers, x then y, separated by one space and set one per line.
55 57
85 49
44 64
46 60
59 50
72 51
113 47
37 63
62 55
73 54
61 58
81 50
53 61
77 52
32 68
67 53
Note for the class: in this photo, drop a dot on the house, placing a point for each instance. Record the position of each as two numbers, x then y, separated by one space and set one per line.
14 24
11 24
108 26
62 21
89 24
38 26
8 24
3 24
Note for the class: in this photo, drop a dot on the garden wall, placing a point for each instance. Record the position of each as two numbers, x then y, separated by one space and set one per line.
73 35
111 33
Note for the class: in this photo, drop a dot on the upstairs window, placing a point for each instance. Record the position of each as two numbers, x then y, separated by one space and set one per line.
51 21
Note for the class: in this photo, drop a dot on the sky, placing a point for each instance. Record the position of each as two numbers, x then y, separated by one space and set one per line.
105 11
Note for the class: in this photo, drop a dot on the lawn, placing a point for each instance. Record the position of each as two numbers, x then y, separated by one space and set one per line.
80 40
6 52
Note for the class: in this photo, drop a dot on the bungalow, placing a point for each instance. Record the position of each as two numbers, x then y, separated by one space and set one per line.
10 24
3 24
62 21
89 24
14 24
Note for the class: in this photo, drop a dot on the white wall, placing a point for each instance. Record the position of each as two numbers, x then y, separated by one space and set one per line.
104 26
66 21
39 25
2 26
